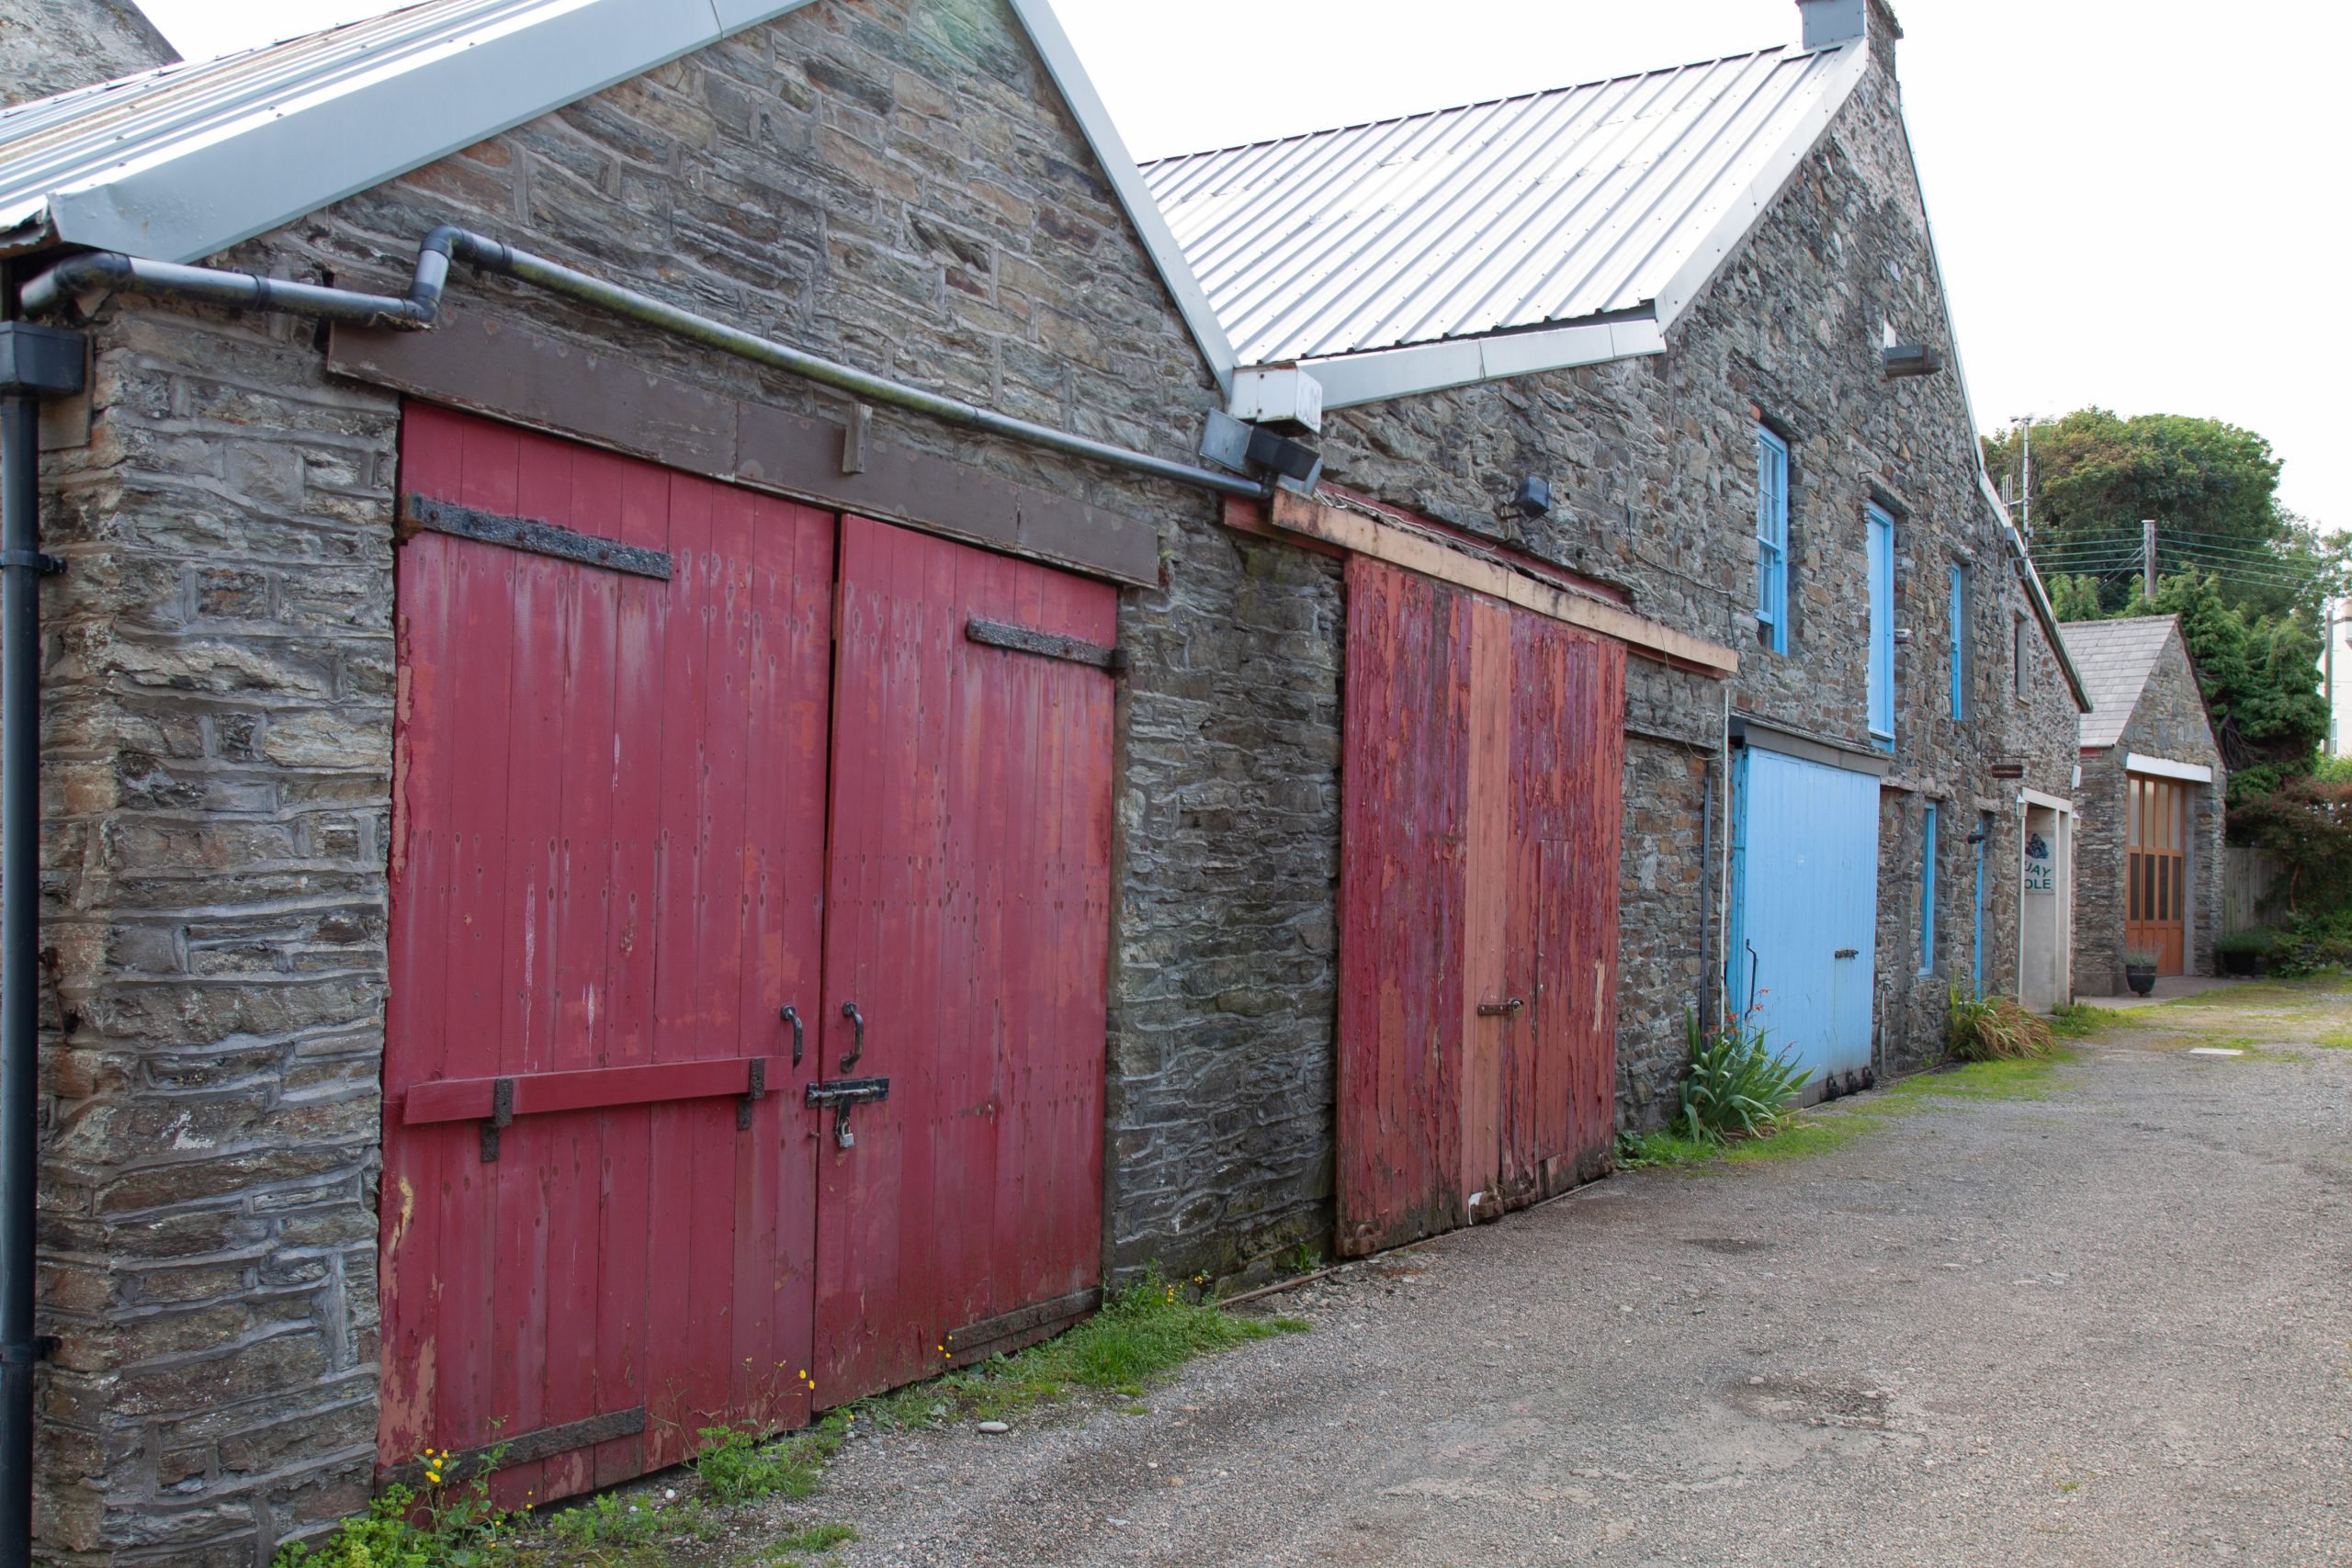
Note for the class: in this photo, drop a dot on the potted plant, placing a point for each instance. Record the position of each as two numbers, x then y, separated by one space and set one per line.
2244 953
2139 973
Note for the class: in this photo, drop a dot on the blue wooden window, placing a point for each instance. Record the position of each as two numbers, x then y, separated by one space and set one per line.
1928 896
1772 537
1882 592
1959 643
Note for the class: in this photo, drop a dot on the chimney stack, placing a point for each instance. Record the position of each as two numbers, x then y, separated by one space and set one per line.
1830 23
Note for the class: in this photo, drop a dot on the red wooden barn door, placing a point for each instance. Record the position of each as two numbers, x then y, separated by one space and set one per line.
606 870
968 923
1484 758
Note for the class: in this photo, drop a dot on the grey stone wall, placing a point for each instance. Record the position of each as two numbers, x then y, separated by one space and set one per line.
896 185
1225 999
53 46
2170 721
1652 466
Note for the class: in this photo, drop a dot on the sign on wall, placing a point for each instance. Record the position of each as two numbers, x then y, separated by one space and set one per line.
2041 873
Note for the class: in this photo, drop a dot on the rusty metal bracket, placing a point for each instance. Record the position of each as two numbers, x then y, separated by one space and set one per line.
501 1116
753 1095
1502 1010
1045 645
421 513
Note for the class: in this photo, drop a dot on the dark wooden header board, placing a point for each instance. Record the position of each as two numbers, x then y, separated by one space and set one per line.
507 372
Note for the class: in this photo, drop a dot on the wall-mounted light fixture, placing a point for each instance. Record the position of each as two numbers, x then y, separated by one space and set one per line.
1533 499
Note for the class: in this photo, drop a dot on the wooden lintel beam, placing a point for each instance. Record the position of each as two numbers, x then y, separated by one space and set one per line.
1352 531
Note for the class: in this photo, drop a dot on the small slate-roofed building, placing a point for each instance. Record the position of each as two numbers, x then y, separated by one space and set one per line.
2151 808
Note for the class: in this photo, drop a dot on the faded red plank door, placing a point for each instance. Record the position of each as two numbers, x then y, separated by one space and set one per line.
968 917
606 863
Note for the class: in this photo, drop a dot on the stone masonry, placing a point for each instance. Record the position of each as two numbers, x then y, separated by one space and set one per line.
893 184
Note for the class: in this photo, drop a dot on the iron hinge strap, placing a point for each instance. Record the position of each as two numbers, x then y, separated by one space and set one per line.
501 1116
752 1095
1045 645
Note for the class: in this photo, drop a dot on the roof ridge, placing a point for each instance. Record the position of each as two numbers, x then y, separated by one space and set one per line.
1791 49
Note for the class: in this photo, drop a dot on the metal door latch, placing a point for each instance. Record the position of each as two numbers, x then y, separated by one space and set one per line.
501 1116
756 1091
842 1093
1848 953
1502 1010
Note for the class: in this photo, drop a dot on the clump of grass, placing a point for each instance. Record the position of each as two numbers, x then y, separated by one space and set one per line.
816 1537
1995 1029
1662 1149
1143 1332
2079 1021
618 1522
736 1466
1736 1085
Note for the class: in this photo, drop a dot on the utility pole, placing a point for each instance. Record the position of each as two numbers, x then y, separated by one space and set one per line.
2148 559
2025 478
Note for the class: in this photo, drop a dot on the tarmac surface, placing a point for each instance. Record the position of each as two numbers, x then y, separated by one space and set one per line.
2107 1320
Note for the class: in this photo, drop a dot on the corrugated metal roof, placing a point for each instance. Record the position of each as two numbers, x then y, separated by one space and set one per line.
2115 660
180 162
1556 206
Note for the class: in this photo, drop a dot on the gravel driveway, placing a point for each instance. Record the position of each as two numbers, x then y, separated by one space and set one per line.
2112 1324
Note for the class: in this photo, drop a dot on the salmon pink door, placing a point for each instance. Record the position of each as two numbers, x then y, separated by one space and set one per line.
623 1093
1478 908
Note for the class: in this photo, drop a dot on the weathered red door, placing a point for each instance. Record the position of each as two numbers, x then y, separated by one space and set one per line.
624 736
968 928
1478 906
607 868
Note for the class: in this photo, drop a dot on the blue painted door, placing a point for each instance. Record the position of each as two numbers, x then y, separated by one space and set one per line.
1804 933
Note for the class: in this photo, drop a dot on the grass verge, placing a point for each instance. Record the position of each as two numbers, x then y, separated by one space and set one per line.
1143 1332
1823 1128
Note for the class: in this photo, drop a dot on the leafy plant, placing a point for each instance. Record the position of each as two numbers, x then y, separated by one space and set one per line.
619 1520
1995 1029
737 1467
2139 958
2257 941
452 1523
1734 1085
2314 944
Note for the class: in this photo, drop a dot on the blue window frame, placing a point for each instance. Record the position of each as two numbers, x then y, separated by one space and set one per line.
1928 896
1882 592
1772 537
1959 643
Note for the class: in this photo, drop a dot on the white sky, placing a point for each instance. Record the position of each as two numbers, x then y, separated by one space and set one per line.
2139 202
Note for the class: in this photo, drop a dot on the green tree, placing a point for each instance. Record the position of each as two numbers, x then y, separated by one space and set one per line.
2260 676
2212 486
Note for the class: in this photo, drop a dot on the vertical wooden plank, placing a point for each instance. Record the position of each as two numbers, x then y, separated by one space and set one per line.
1485 905
1402 898
971 812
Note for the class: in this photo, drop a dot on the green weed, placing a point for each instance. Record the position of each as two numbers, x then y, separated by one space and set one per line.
1661 1149
2032 1079
452 1523
2336 1040
1142 1333
816 1537
1994 1029
1734 1085
737 1467
620 1522
2080 1021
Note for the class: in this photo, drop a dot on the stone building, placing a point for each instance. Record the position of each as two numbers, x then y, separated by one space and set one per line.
2151 806
1700 311
790 550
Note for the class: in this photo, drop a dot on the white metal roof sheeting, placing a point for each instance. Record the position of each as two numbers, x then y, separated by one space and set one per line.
1595 201
180 163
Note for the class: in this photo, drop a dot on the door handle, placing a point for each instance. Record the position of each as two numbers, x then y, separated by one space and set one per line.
1848 953
849 1012
791 1015
1502 1010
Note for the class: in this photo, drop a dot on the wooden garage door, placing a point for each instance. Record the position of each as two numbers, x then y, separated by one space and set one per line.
1478 906
624 738
2157 816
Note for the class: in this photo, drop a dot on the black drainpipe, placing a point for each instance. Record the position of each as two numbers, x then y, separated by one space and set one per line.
35 363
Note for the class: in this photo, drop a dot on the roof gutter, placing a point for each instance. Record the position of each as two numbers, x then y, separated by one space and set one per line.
420 310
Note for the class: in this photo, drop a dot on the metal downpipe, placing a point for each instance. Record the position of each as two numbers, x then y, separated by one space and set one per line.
420 310
19 953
